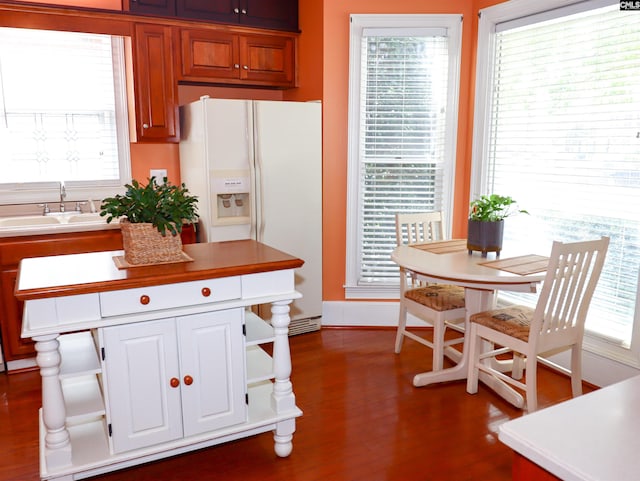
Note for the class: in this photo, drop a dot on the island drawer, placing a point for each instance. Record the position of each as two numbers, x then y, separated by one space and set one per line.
143 299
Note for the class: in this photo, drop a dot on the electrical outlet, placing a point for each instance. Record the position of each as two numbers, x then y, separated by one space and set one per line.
159 175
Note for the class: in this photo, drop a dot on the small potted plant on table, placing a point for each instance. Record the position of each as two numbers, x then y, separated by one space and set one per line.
151 218
486 222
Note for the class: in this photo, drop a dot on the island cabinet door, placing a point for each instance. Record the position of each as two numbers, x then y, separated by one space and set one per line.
212 363
141 374
172 378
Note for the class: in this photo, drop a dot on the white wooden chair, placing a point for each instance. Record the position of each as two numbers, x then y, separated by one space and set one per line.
439 305
557 322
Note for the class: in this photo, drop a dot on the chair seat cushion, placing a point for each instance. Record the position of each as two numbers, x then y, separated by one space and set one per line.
439 297
513 321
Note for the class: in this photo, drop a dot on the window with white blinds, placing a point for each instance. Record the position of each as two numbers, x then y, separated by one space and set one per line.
402 122
62 109
562 136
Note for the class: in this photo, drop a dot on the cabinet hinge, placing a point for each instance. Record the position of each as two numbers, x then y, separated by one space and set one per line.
110 430
246 398
102 353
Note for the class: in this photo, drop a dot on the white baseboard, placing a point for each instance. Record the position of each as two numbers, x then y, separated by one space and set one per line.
21 364
597 370
363 314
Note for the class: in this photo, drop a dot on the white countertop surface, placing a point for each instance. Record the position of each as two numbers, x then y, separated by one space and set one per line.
592 437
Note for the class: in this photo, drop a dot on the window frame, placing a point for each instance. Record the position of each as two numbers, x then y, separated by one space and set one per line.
49 192
358 23
489 17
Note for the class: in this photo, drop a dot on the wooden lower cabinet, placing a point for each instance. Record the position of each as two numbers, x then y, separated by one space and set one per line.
14 347
172 378
227 57
14 249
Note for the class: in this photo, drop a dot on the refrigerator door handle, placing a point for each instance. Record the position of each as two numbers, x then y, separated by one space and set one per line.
258 176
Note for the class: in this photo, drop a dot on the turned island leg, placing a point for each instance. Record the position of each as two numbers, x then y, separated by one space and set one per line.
57 443
282 399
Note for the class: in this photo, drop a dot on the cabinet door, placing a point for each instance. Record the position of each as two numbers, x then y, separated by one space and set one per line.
278 14
153 7
226 11
142 377
268 60
212 364
14 346
155 86
209 54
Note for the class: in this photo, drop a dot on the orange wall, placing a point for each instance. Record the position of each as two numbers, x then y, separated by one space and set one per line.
310 54
323 60
335 102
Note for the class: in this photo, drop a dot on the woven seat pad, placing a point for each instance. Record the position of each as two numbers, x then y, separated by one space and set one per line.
513 321
439 297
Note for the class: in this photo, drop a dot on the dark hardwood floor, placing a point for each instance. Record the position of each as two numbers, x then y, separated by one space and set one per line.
363 421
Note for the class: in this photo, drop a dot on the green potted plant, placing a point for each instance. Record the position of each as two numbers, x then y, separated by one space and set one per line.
486 222
151 218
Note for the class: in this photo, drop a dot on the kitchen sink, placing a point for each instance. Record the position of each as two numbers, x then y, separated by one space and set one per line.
88 217
28 221
59 219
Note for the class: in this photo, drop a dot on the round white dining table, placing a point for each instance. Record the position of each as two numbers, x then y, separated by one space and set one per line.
449 262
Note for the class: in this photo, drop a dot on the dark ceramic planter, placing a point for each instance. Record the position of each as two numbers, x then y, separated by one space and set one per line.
485 236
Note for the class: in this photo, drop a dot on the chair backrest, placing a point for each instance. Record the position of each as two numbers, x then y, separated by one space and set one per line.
572 275
419 227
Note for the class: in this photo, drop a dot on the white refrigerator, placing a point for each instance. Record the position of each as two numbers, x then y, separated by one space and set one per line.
256 167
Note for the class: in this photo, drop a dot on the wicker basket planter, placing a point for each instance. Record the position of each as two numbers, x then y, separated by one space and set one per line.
151 219
143 244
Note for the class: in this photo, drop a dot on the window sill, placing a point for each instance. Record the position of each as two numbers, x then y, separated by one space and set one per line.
372 292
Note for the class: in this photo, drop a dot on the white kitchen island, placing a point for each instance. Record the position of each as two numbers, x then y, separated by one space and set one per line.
143 363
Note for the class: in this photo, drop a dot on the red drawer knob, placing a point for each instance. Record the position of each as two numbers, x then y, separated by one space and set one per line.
206 292
188 380
144 300
175 382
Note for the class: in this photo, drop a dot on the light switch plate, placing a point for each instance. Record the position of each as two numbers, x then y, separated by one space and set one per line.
159 174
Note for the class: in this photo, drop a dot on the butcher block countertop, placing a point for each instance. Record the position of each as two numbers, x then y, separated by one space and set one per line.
66 275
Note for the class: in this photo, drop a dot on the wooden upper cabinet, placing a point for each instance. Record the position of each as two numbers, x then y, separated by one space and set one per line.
208 54
272 14
278 14
155 85
267 60
222 56
153 7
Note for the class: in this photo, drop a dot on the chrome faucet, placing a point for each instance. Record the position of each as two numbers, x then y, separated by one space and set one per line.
63 195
